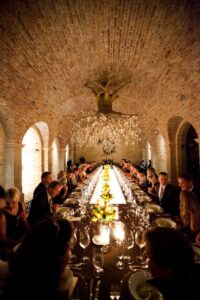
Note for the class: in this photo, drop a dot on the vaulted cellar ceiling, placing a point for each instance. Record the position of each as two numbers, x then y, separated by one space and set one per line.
50 49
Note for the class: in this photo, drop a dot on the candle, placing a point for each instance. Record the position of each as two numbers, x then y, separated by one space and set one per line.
119 232
105 234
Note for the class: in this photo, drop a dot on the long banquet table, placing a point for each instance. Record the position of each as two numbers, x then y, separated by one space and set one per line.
101 288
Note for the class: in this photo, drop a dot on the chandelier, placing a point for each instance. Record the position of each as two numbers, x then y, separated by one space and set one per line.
105 127
91 129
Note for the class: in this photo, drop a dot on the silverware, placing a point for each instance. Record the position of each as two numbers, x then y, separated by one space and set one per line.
91 288
96 294
78 265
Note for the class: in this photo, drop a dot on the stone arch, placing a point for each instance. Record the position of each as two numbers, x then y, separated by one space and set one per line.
183 148
172 126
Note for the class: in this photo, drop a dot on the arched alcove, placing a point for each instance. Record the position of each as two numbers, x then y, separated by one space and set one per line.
148 147
67 154
44 131
161 153
2 156
31 161
55 157
188 149
173 125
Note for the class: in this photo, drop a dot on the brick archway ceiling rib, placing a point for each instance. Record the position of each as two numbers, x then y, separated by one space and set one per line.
49 49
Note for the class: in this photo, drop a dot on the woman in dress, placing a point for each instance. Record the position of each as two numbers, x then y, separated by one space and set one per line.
189 213
13 223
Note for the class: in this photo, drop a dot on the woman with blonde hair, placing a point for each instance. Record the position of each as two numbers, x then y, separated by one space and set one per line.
190 211
13 223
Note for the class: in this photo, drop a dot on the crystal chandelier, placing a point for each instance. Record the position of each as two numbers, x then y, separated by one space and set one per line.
105 127
90 129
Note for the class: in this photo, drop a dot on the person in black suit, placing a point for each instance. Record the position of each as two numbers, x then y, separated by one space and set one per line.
41 205
167 195
185 182
46 178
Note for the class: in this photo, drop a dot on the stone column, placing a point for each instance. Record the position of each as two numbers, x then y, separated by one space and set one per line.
9 170
14 165
62 155
173 162
18 165
45 159
72 152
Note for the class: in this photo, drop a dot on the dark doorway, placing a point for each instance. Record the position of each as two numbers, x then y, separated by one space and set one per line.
192 154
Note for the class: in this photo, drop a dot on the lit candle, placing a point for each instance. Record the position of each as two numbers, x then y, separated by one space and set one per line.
105 234
119 232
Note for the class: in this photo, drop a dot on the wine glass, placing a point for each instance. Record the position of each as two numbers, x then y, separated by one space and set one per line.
98 261
129 244
74 241
139 240
120 254
84 241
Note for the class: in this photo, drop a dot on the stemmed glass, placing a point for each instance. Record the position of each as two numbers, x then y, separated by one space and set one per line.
120 254
74 241
139 240
129 244
84 241
119 235
98 261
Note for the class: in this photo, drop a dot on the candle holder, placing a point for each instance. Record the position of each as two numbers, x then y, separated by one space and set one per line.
105 237
119 235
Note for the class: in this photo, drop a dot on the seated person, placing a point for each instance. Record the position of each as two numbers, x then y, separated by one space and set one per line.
13 223
38 265
142 179
167 195
189 213
46 179
185 182
2 197
42 204
171 263
62 196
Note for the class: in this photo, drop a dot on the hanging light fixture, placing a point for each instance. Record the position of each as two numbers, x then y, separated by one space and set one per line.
105 127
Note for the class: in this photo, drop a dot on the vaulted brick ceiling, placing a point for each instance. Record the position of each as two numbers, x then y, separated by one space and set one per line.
50 48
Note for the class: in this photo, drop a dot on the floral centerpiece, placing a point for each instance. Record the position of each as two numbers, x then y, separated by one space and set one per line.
103 211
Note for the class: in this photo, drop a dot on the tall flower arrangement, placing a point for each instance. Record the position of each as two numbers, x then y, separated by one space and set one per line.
102 210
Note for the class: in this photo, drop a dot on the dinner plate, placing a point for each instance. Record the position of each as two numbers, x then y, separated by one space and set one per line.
75 193
140 289
144 199
165 222
153 208
71 201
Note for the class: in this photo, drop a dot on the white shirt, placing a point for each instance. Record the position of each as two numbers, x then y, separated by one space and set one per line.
162 187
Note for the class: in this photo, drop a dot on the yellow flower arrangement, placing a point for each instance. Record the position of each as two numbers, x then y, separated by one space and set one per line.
102 210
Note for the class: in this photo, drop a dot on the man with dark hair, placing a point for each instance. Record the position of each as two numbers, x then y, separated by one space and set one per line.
41 205
167 195
185 182
46 178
